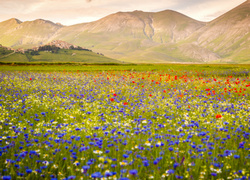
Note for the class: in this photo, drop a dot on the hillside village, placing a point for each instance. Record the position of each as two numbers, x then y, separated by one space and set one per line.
55 44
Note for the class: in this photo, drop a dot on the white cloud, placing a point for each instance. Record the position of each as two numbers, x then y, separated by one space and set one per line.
78 11
209 10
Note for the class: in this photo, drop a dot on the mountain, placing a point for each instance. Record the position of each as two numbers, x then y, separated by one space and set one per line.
145 37
129 35
161 27
228 35
15 33
8 24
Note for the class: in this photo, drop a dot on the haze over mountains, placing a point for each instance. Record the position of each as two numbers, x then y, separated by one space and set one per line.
146 37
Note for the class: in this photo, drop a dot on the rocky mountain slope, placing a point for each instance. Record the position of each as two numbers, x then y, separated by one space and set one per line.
15 33
228 35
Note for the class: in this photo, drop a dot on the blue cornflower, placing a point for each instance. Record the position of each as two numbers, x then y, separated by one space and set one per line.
108 174
214 174
170 149
133 172
145 163
6 177
71 177
236 156
125 155
123 170
178 177
28 171
170 171
85 167
176 165
96 175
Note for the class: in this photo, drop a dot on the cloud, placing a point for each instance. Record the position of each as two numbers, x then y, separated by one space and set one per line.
78 11
208 10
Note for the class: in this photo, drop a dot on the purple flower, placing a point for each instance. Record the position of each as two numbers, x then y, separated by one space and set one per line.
178 177
96 175
236 156
176 165
213 174
6 177
133 172
71 177
170 171
28 171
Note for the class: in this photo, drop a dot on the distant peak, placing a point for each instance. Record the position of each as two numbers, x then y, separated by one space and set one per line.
14 20
43 21
139 12
168 11
59 24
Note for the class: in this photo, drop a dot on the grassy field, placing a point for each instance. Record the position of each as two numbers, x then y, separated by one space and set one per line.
63 55
128 67
124 122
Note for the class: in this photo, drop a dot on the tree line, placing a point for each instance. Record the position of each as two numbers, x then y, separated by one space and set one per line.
53 49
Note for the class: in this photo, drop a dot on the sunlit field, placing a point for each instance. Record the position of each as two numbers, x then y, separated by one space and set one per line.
173 122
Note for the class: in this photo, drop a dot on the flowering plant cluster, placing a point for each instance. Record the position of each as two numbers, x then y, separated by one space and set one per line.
124 125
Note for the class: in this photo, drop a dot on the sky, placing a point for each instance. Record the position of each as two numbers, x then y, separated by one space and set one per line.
68 12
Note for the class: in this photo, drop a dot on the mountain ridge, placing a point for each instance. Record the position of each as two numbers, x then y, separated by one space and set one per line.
139 36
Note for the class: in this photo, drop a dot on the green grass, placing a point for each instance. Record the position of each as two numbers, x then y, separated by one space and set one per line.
4 52
62 56
129 67
17 57
72 56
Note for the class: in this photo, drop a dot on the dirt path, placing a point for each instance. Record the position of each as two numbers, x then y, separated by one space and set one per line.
7 55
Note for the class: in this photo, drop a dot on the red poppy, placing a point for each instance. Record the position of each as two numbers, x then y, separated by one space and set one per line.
30 78
111 99
125 103
115 95
218 116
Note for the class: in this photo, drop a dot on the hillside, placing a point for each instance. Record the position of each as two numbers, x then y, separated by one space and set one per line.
60 55
15 33
228 35
123 34
145 37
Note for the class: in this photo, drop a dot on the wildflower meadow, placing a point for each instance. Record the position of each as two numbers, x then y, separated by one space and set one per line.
125 124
